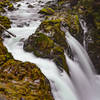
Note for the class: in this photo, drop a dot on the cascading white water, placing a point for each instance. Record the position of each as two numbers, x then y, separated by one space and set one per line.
81 70
83 84
61 85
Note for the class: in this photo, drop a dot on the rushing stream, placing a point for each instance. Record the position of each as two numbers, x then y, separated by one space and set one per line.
82 85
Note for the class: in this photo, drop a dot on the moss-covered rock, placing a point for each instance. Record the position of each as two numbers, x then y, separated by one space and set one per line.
10 7
52 29
6 4
5 22
73 23
43 46
47 11
23 80
40 44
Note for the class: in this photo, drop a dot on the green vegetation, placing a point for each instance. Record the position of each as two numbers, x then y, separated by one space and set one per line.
5 22
6 4
47 11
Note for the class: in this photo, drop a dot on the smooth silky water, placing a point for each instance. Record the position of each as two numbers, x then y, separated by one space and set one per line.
83 85
82 71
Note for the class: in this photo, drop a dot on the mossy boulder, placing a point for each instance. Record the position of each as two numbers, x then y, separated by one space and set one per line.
6 4
47 11
23 81
52 29
40 44
43 46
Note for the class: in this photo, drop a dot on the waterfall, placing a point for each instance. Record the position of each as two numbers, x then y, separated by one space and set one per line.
82 71
83 84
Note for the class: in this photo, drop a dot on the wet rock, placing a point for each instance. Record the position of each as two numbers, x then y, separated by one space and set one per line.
24 75
40 44
18 5
26 24
6 36
27 3
22 40
20 25
30 6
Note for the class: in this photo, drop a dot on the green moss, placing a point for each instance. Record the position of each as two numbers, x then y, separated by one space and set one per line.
3 50
2 10
6 4
41 45
42 42
4 58
10 7
58 50
47 11
73 23
52 29
61 62
33 85
5 22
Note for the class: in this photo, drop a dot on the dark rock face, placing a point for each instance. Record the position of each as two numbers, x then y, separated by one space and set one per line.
90 10
94 48
73 2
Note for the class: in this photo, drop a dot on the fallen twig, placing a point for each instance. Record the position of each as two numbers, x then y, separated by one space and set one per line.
7 30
